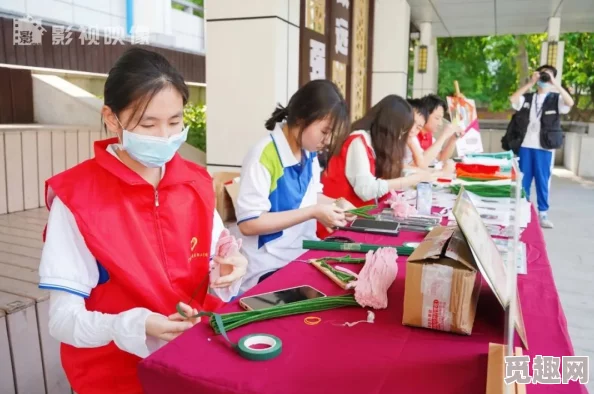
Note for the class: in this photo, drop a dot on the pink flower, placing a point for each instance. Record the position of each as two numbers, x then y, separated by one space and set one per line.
401 208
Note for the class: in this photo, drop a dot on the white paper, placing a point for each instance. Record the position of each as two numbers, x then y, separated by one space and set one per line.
503 246
470 143
488 161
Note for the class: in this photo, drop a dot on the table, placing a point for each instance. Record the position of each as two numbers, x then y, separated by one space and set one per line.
383 357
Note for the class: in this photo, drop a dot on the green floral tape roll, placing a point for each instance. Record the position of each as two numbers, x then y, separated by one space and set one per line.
246 347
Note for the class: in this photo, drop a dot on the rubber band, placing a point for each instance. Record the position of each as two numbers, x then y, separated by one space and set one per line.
312 320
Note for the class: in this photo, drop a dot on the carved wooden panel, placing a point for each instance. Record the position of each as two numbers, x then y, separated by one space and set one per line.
359 61
315 15
339 76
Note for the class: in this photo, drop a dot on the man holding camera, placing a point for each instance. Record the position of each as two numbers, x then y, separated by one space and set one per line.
539 126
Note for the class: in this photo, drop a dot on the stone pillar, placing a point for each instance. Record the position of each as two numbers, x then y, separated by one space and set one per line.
252 64
426 83
390 49
553 33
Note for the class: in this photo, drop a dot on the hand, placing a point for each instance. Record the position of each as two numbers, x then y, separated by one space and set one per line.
450 130
347 206
410 138
449 167
232 268
188 311
429 176
535 77
410 142
168 328
329 215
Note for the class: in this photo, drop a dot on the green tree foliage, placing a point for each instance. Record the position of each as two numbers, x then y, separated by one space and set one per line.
195 118
197 2
578 73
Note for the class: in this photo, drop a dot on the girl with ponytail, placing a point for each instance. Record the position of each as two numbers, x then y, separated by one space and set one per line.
280 195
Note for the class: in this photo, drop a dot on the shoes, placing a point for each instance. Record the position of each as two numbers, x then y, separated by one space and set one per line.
545 222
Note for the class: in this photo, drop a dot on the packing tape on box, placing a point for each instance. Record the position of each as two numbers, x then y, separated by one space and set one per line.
436 287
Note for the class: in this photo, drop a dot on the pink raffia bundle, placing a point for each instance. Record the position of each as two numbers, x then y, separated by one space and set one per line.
401 208
226 245
376 277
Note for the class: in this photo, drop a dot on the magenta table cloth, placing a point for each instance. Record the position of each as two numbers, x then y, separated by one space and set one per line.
383 357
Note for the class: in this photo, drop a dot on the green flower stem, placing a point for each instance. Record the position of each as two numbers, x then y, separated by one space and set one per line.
345 260
237 319
363 211
343 276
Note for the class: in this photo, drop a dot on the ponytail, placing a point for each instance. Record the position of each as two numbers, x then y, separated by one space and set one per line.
279 114
315 101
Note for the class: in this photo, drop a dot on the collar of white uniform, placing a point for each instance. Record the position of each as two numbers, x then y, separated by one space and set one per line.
283 148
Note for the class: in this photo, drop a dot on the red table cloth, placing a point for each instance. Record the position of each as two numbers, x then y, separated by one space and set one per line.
383 357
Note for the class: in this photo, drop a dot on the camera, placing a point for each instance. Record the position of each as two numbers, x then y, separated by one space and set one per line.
545 77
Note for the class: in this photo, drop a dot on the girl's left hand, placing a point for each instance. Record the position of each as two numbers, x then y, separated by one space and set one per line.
232 268
347 206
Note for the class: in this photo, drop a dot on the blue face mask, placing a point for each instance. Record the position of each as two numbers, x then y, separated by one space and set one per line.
543 85
152 152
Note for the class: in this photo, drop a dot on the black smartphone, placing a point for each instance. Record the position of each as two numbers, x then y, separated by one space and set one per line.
279 297
383 227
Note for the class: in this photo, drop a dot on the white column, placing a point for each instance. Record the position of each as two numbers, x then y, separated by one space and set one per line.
553 33
252 64
390 49
426 83
155 15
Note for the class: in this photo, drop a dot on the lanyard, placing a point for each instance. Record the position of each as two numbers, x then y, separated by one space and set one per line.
539 111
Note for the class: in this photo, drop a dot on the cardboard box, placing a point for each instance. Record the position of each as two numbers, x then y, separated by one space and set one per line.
441 285
226 191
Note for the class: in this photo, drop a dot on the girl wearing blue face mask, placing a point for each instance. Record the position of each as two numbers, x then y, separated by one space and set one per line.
131 233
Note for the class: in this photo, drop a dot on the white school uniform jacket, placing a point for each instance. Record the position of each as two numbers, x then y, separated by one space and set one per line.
273 180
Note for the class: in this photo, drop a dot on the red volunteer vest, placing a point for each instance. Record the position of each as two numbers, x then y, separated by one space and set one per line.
336 184
154 244
425 139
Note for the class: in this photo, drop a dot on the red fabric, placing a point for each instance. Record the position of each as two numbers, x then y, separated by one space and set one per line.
336 184
334 178
477 168
384 357
425 139
482 176
149 251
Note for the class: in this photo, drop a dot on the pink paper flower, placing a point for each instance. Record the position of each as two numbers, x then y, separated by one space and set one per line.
401 208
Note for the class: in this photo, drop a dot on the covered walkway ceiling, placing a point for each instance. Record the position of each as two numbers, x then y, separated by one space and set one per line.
454 18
